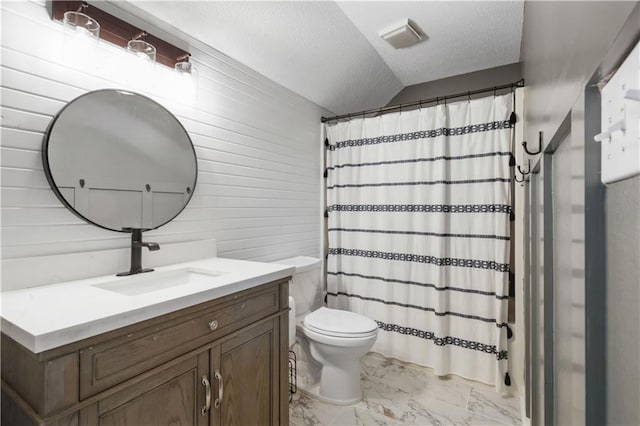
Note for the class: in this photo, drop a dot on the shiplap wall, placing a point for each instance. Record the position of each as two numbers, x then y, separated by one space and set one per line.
258 146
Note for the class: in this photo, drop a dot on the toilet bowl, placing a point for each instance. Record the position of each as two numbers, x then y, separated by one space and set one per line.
338 339
332 340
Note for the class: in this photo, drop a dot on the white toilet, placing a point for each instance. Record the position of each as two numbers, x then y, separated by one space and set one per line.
336 339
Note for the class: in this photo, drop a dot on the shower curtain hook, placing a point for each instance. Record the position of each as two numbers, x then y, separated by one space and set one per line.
469 96
495 91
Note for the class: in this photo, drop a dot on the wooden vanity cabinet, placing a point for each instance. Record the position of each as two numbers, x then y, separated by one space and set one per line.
169 396
249 376
161 371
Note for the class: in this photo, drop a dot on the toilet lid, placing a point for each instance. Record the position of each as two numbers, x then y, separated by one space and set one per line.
335 322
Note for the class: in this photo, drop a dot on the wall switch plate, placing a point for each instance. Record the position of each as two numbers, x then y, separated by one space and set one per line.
620 137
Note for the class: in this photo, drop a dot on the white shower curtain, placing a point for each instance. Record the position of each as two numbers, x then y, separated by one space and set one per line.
418 209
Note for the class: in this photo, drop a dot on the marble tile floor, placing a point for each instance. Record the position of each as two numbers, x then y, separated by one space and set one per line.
396 393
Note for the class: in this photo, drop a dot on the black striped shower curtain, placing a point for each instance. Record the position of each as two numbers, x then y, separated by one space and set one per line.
418 232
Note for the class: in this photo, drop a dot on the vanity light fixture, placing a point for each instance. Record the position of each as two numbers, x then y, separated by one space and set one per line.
183 66
82 23
117 31
142 49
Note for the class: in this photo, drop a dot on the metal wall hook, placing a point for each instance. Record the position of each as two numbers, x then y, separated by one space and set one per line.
515 177
524 145
528 169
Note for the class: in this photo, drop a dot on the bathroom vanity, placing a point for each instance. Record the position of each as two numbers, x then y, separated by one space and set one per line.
198 343
209 350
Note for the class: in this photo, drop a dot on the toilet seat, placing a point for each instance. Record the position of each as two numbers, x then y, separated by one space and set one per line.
339 323
343 342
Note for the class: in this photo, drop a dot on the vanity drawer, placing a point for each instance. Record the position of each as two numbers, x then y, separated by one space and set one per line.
106 364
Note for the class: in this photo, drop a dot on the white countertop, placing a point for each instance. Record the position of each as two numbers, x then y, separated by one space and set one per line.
47 317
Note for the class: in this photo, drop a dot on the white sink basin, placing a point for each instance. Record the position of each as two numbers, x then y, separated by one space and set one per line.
156 281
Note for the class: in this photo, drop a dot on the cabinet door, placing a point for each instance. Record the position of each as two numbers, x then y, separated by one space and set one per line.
170 396
248 367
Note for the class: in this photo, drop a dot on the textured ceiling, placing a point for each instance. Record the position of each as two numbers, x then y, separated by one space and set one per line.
330 53
462 37
309 47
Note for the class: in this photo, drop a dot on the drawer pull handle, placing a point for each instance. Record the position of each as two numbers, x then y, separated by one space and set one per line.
207 398
213 325
218 400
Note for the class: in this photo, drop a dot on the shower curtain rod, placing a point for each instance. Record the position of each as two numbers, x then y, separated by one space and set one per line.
384 110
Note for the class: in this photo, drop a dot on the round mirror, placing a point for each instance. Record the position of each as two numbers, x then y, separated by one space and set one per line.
120 160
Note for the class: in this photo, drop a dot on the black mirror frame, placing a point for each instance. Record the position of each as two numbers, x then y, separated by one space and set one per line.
54 187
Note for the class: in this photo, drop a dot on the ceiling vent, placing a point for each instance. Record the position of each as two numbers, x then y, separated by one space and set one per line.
401 35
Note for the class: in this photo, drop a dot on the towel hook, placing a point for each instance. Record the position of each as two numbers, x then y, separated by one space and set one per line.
528 169
515 177
524 145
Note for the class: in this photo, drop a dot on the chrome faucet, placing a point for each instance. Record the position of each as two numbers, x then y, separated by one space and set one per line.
136 252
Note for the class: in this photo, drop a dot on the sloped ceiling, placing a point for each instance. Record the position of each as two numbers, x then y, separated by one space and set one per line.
330 53
461 37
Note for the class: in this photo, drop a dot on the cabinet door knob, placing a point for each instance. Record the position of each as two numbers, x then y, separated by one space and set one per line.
218 400
213 325
207 398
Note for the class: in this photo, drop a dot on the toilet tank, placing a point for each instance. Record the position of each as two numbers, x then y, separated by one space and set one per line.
305 285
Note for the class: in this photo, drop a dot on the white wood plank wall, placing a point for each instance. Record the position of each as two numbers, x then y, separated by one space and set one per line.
257 144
